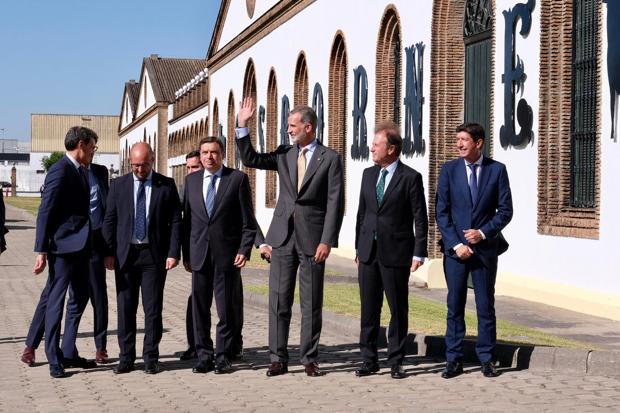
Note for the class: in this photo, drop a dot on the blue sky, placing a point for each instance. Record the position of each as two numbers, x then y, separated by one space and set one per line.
74 56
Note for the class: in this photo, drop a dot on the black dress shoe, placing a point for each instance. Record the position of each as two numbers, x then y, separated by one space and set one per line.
367 368
188 354
397 372
223 366
124 367
237 355
152 367
489 370
79 362
452 369
203 366
56 371
277 368
313 370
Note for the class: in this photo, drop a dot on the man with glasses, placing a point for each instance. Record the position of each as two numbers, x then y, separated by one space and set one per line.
142 231
63 237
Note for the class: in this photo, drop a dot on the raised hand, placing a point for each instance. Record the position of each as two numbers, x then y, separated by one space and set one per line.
246 111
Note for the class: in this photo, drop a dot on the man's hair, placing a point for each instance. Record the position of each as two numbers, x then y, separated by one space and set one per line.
77 134
306 113
212 139
392 134
474 129
192 154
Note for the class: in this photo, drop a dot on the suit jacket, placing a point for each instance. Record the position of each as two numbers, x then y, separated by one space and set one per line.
232 228
164 224
3 229
317 210
403 208
101 172
63 224
491 212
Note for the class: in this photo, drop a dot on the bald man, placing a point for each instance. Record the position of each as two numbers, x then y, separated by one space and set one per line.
146 244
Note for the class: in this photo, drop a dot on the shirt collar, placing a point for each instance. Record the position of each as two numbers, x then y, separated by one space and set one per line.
73 161
208 174
391 167
148 178
478 162
309 147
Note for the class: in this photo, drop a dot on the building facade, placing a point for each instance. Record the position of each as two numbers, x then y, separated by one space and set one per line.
542 77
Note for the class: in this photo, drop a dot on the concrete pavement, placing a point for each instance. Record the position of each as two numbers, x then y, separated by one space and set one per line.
248 389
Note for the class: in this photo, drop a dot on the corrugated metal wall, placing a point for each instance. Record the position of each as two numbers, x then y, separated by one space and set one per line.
48 131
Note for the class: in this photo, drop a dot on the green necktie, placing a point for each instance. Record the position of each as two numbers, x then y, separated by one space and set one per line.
381 187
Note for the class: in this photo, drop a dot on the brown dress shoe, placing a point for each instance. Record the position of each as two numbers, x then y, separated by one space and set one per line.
277 368
101 357
313 370
28 356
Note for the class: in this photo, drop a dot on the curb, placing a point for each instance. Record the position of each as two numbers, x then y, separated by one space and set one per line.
579 362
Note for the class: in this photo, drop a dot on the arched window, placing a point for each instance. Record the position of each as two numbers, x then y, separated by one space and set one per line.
230 140
215 127
301 81
249 90
389 68
271 189
337 101
478 38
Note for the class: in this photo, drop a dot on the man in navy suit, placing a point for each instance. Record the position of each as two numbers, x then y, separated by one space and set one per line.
391 208
142 228
474 204
3 229
63 239
97 287
218 234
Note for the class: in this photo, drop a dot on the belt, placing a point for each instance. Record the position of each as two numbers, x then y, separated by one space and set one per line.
140 246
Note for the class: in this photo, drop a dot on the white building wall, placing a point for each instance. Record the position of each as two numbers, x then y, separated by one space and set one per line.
185 122
150 96
146 131
574 267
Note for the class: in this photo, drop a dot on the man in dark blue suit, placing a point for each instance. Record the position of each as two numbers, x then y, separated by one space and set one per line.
97 288
63 239
142 228
3 229
474 204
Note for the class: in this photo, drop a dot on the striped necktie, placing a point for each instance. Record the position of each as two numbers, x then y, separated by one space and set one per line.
380 190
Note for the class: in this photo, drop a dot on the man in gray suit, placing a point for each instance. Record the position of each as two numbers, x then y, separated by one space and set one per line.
305 227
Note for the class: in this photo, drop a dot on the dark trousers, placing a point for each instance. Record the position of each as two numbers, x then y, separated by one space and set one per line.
140 273
285 262
374 279
208 282
483 278
67 270
238 337
97 292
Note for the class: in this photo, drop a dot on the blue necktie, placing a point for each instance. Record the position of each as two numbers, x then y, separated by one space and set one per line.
140 225
473 183
210 201
380 190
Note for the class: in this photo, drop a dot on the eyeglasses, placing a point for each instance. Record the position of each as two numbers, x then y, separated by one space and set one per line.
140 165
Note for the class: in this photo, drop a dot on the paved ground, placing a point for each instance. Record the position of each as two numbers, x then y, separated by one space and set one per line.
248 389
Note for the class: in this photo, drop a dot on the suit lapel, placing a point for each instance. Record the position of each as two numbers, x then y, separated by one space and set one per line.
371 186
393 182
291 161
462 182
313 165
128 187
484 178
221 190
156 188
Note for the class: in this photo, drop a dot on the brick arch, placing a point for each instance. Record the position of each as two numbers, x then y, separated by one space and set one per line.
216 119
249 90
337 100
271 183
230 139
447 97
389 68
301 81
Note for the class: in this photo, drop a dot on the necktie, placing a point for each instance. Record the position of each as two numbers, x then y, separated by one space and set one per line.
210 201
301 168
473 183
380 190
140 225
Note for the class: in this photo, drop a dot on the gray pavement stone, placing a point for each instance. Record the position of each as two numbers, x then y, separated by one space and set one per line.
248 389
